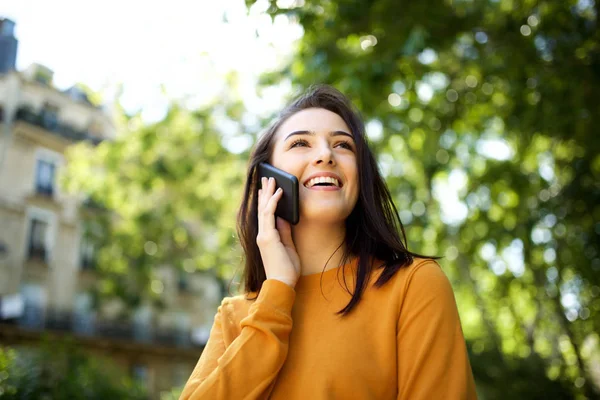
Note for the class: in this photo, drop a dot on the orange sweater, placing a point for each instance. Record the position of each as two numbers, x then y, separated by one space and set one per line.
402 341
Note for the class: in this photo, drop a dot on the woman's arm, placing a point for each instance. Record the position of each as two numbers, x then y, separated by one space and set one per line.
247 367
432 355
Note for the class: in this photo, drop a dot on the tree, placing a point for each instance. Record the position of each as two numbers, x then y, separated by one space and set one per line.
61 371
484 116
163 194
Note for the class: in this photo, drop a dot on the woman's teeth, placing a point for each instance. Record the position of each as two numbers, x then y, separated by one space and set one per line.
322 179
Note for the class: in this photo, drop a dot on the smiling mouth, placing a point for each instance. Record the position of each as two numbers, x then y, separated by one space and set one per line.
323 181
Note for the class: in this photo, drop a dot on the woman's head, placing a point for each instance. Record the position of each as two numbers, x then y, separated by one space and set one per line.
319 132
317 146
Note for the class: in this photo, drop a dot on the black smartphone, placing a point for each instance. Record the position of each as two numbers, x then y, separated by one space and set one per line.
287 207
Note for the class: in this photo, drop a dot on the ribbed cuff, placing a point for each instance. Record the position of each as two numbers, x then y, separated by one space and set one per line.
277 294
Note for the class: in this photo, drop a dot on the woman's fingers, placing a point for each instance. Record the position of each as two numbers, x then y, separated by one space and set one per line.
267 204
277 249
261 193
272 203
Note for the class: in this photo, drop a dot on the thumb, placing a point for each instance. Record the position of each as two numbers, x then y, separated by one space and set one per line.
285 232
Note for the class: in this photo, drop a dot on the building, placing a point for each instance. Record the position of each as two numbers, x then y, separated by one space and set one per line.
46 258
8 45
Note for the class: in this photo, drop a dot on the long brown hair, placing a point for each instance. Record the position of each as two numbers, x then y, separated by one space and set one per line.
373 228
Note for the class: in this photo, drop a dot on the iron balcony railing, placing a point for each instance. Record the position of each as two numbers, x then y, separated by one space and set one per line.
49 121
85 324
37 252
44 190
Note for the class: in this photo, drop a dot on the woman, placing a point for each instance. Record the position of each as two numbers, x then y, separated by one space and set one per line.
336 307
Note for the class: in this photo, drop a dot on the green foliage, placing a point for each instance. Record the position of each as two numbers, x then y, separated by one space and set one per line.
61 371
173 394
525 379
7 360
168 194
489 113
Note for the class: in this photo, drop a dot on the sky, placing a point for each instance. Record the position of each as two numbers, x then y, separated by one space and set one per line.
187 48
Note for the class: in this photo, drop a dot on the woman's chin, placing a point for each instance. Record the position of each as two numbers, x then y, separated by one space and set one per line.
323 215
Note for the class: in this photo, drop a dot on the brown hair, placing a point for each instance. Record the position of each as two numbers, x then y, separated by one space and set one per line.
373 228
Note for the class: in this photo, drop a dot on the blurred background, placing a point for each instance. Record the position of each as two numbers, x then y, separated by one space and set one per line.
125 132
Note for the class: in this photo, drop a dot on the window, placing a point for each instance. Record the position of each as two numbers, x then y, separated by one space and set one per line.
90 238
50 116
34 299
182 281
41 234
88 253
142 324
37 239
84 316
139 372
182 328
44 177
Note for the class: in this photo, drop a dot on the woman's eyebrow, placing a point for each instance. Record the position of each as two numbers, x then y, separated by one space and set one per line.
332 133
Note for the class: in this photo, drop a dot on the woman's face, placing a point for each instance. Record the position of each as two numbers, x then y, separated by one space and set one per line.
318 148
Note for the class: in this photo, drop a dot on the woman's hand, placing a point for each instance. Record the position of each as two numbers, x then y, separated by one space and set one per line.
274 239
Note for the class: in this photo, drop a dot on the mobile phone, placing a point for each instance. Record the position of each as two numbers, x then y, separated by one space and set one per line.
287 207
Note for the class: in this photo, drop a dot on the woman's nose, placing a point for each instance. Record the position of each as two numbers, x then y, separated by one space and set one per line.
324 155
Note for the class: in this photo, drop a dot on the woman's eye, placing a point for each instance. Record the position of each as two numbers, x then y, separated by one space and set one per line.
299 143
345 145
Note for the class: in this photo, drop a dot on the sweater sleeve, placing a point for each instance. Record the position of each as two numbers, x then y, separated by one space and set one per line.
247 368
432 357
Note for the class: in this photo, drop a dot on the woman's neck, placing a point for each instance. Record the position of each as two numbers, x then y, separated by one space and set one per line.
319 246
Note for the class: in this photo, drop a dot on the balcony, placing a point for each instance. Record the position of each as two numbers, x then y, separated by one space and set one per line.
44 190
86 325
48 121
37 253
88 263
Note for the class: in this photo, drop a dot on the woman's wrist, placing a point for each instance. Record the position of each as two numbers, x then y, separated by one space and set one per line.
288 281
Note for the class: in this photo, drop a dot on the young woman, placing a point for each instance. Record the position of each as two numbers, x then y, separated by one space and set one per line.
335 307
